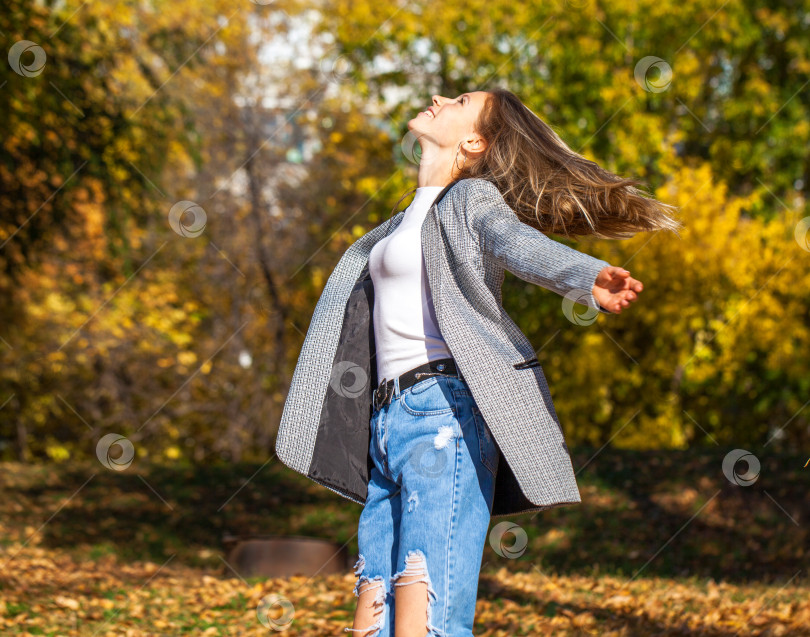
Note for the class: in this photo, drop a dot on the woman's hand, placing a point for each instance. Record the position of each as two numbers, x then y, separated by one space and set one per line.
615 288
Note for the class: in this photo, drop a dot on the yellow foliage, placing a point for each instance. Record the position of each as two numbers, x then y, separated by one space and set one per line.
318 278
728 289
57 452
186 358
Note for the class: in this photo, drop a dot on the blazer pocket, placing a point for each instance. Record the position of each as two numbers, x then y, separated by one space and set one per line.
530 362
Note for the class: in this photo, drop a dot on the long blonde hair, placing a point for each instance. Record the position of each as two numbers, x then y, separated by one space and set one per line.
550 186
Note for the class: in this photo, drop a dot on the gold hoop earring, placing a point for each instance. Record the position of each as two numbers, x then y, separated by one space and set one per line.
455 159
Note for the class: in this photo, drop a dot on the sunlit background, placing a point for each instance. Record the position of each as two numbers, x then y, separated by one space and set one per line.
178 180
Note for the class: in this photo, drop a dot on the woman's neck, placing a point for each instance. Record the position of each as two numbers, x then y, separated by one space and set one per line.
435 167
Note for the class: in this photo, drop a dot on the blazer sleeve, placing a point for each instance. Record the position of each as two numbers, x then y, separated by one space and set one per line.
525 251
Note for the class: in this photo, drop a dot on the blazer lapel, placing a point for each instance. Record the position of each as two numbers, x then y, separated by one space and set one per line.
324 428
323 432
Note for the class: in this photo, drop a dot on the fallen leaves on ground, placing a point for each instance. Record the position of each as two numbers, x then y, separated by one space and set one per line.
44 591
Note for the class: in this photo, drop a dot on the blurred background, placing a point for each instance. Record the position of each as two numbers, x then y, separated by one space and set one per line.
178 180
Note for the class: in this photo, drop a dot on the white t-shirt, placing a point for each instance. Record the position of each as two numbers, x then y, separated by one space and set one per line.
406 333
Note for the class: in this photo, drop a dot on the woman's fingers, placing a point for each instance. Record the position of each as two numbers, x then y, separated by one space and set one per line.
624 289
623 276
635 285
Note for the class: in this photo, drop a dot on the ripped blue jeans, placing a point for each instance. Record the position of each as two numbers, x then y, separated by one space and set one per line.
429 503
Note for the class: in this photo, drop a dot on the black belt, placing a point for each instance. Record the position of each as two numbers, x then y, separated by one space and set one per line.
385 390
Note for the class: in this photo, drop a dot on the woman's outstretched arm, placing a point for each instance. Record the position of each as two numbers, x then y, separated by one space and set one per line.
531 255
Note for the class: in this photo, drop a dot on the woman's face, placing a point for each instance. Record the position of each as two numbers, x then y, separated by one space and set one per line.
449 120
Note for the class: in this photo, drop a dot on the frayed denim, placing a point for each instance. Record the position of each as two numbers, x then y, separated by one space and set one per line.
429 503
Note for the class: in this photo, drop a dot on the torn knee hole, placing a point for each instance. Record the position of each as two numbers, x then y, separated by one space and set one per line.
416 571
367 584
414 566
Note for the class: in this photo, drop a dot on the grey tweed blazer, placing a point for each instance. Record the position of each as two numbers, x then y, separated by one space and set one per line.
469 237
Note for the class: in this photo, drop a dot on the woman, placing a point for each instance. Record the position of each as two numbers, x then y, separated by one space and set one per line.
459 425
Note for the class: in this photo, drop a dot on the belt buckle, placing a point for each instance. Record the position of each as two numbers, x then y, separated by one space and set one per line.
381 394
